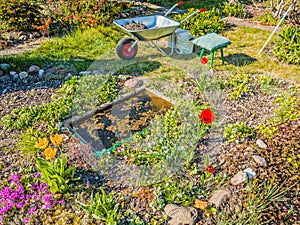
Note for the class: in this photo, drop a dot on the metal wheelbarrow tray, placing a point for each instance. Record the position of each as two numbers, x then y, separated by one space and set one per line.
157 26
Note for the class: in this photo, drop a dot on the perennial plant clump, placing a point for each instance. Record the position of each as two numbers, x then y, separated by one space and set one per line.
26 196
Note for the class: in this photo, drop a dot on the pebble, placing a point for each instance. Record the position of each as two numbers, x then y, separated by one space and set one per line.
23 75
260 160
34 69
41 73
4 79
16 76
250 172
84 73
260 143
239 178
12 73
181 214
219 196
4 66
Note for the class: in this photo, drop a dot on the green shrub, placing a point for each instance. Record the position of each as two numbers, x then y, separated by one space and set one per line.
239 85
20 14
234 9
202 23
268 18
288 47
84 13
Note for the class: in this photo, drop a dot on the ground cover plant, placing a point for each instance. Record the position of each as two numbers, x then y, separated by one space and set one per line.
242 109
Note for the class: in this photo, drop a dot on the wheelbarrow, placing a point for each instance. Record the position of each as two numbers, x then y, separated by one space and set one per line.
156 27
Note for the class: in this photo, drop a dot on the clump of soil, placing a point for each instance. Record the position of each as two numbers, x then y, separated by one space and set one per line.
135 26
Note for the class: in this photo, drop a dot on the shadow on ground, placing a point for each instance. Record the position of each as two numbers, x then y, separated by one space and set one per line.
239 59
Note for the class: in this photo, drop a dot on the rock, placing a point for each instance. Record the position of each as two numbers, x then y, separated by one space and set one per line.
21 33
84 73
23 75
57 73
34 69
239 178
1 73
5 67
219 196
133 83
97 72
23 38
16 76
181 214
41 73
250 172
69 76
12 73
4 79
260 160
260 143
36 34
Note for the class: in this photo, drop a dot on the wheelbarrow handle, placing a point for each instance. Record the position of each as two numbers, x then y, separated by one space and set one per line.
186 18
173 7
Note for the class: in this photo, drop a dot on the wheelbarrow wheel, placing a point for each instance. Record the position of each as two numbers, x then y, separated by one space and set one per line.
123 47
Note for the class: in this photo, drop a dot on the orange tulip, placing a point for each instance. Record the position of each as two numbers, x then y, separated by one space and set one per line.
42 144
50 153
56 140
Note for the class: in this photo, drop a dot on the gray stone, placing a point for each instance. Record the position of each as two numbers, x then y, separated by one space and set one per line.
260 160
12 73
41 73
84 73
34 69
133 83
23 75
250 172
69 76
4 79
181 215
97 72
23 38
16 76
219 196
1 73
261 144
239 178
4 66
36 34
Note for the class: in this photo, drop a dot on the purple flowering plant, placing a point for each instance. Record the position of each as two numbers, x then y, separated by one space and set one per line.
27 195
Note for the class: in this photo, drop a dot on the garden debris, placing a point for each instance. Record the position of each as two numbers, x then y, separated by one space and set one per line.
181 214
260 160
239 178
219 196
250 172
200 204
260 143
135 26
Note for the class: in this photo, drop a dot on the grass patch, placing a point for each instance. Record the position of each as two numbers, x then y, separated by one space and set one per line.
79 49
242 54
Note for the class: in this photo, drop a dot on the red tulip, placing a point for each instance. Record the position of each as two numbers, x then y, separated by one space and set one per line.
207 116
210 169
203 10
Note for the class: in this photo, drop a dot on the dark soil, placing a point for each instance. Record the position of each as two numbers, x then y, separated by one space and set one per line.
135 26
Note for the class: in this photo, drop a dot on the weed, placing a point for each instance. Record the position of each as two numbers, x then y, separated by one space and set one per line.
237 131
104 207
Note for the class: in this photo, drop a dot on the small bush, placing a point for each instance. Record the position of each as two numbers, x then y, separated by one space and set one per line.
234 9
202 23
288 47
20 14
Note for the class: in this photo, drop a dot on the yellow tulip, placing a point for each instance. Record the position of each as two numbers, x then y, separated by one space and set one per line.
56 140
42 144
